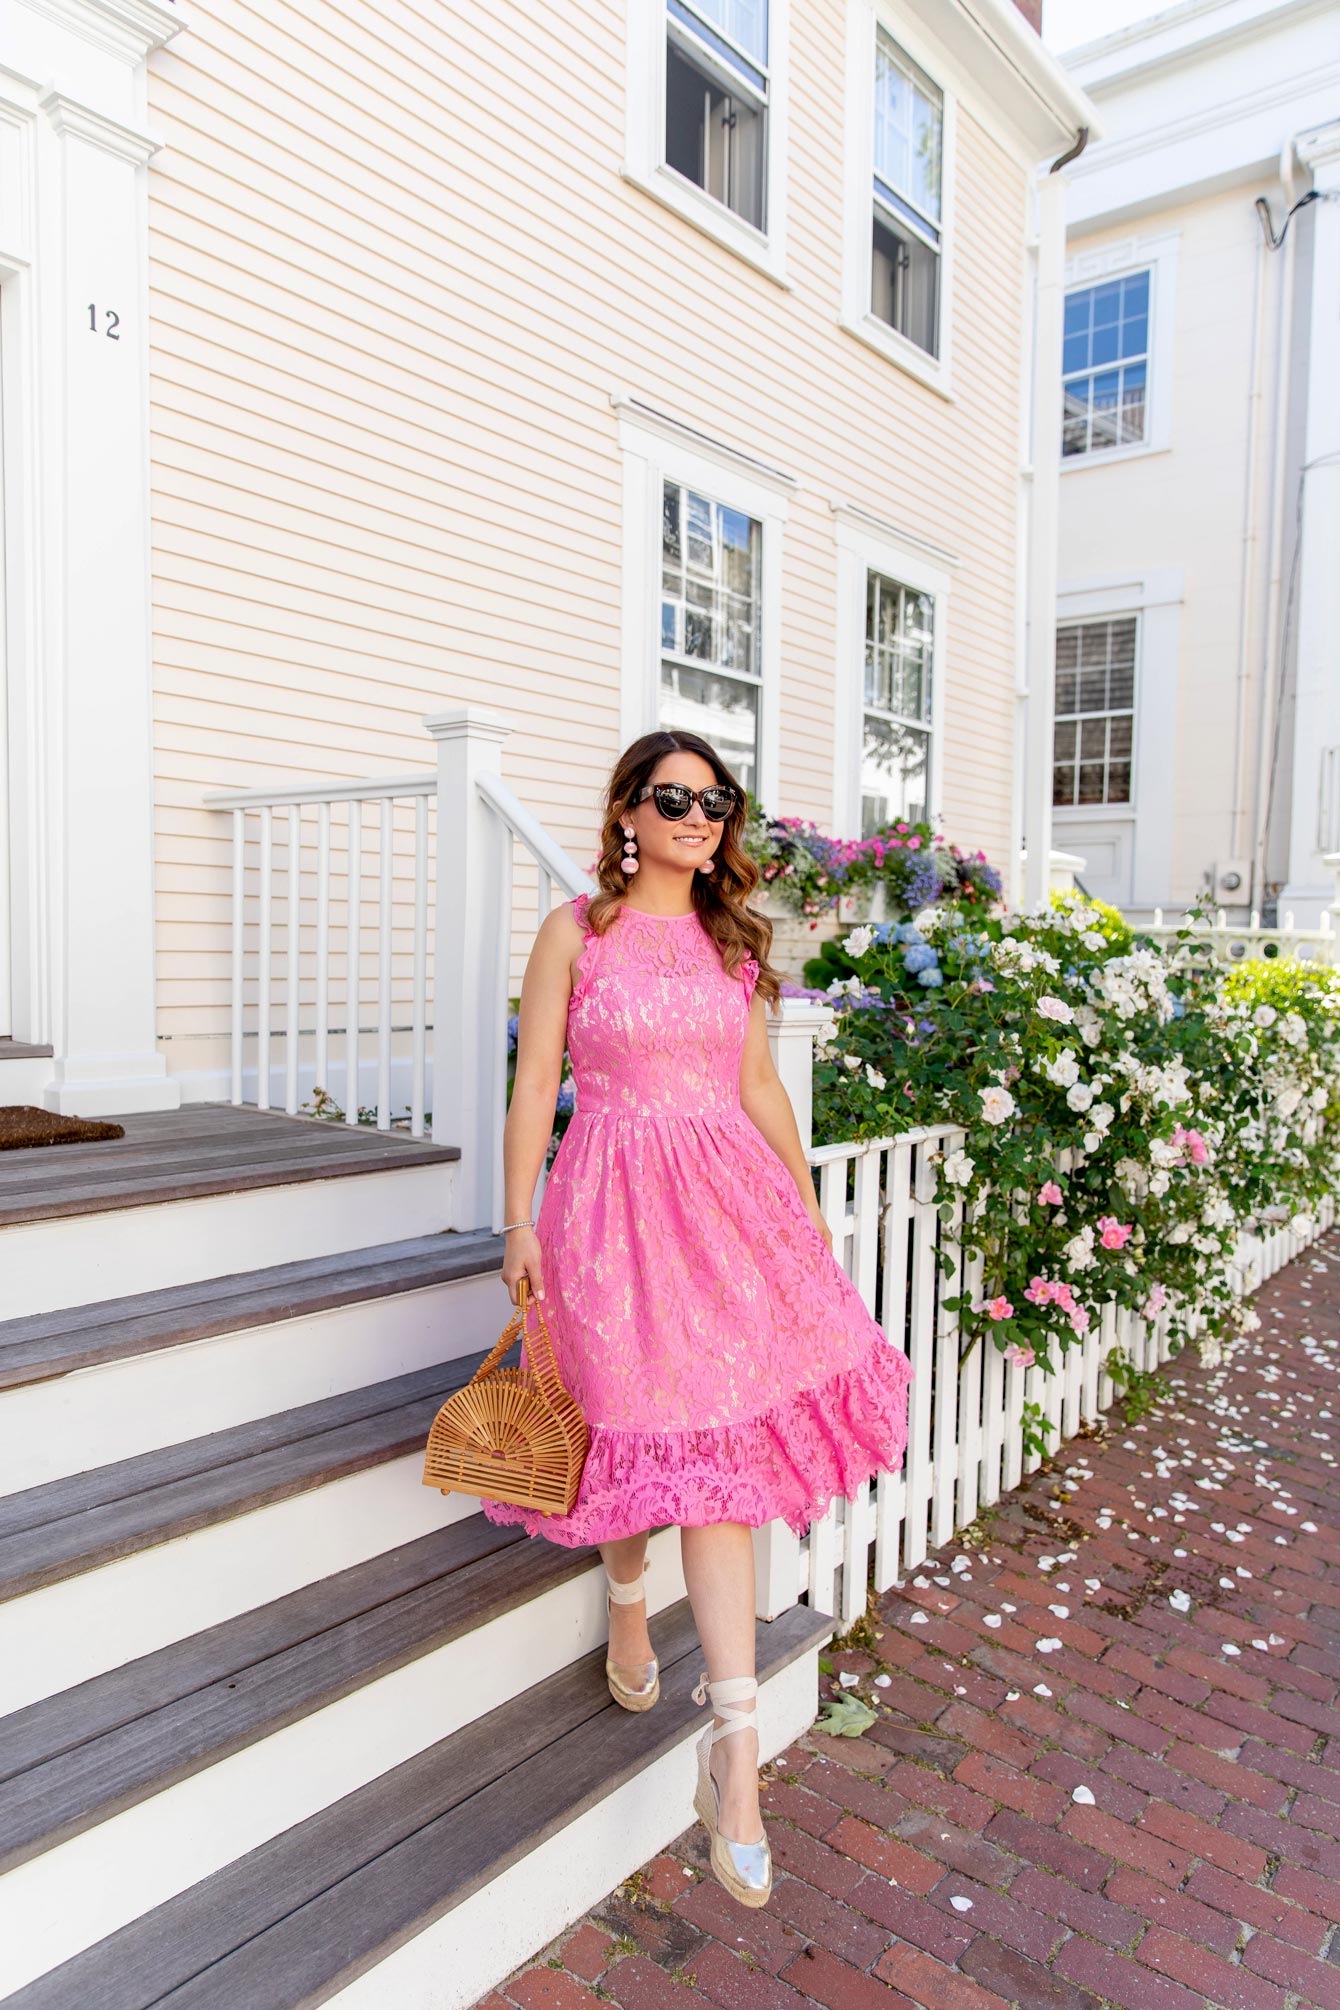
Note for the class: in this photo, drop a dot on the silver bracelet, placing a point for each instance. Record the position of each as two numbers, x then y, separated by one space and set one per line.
517 1224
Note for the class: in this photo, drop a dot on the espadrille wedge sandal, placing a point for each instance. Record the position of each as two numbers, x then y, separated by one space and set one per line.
636 1687
744 1868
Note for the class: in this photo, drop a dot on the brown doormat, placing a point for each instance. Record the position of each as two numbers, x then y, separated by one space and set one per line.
22 1124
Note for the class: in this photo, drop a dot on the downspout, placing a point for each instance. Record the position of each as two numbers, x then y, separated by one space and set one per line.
1272 670
1240 827
1043 527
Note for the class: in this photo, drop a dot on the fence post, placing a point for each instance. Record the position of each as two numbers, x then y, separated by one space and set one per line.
471 953
791 1035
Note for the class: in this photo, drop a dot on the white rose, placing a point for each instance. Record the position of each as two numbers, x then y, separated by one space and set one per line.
875 1079
1093 940
1101 1115
1079 1250
958 1168
851 1062
1063 1068
1055 1008
997 1105
1092 1140
859 941
1287 1101
1080 1096
1265 1015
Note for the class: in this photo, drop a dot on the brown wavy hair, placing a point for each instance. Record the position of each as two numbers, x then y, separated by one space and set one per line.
719 896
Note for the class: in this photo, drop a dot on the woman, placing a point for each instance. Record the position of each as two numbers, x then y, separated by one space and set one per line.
726 1367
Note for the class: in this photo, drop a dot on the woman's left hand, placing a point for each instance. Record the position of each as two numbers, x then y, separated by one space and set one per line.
817 1218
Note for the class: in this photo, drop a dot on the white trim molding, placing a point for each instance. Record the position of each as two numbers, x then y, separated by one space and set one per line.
645 165
1158 256
1142 829
656 450
125 28
123 143
865 545
864 20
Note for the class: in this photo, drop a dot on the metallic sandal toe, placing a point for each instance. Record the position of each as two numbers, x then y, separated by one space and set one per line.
744 1868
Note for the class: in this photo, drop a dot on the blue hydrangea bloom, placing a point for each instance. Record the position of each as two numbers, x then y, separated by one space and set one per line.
931 978
920 956
511 1034
566 1099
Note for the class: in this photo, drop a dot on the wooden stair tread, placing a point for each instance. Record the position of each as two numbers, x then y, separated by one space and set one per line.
306 1913
80 1757
22 1050
54 1531
113 1329
199 1150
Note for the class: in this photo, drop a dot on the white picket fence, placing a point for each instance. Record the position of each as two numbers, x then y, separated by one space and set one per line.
1228 942
965 1445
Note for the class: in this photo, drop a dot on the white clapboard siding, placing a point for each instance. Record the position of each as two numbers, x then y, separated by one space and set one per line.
396 276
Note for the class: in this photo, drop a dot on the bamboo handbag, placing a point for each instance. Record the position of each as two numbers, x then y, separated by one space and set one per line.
511 1434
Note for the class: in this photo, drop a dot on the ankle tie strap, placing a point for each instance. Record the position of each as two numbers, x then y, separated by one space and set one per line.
627 1594
730 1691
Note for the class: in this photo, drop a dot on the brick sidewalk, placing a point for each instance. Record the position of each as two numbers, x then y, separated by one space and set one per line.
1107 1763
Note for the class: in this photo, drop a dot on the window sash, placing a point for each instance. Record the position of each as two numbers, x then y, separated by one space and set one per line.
1095 393
924 205
709 44
1105 756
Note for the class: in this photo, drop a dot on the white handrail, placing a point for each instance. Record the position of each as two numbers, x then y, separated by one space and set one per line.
325 792
548 854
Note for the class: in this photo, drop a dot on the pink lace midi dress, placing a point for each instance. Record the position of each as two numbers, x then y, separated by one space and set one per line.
726 1366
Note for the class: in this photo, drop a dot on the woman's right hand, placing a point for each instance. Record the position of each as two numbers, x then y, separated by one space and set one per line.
521 1258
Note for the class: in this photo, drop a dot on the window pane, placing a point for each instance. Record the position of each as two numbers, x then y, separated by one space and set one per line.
710 614
745 22
899 644
1105 366
1095 689
894 766
909 117
905 284
714 137
723 709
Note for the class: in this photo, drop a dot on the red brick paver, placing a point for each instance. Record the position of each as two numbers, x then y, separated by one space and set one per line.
1147 1816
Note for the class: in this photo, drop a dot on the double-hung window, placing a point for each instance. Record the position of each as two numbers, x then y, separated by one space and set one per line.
716 101
1106 365
906 244
711 603
897 713
1095 712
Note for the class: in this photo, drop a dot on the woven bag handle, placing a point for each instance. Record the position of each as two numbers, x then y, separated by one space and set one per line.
517 1325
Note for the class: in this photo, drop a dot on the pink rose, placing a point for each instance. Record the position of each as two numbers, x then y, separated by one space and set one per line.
1039 1292
1050 1195
1020 1357
1063 1296
1156 1301
999 1308
1079 1318
1112 1233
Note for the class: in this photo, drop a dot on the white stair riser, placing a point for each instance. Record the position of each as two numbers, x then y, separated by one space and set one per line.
456 1961
73 1423
53 1638
47 1266
86 1888
25 1081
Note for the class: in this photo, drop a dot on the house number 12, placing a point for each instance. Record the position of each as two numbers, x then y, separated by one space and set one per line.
110 322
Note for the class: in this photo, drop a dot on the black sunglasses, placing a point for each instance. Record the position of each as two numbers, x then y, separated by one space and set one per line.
674 800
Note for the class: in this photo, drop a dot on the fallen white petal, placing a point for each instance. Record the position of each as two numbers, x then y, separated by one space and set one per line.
961 1904
993 1619
1084 1796
1049 1646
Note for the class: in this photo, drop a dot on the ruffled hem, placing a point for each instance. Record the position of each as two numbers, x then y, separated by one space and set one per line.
790 1462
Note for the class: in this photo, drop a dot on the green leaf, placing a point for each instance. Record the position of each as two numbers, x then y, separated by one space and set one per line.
845 1717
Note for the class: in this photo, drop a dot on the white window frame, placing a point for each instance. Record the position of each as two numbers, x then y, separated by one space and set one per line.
1125 808
864 19
1158 257
657 448
864 545
644 141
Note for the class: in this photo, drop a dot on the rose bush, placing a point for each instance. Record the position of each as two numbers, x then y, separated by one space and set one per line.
1128 1111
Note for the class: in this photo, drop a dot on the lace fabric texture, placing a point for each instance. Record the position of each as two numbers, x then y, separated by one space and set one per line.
727 1367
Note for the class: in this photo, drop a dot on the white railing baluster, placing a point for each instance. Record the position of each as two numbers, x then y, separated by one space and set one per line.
353 960
544 894
386 863
239 924
1016 1388
920 1477
419 1012
321 1064
865 1216
969 1396
945 1423
291 1018
993 1419
823 1561
264 944
855 1555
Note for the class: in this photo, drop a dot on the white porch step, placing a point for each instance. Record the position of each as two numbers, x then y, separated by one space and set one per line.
518 1804
199 1192
107 1566
98 1384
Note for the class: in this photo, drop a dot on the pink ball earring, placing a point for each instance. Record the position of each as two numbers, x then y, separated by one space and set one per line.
708 865
629 861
